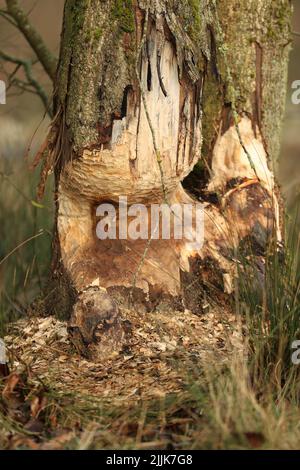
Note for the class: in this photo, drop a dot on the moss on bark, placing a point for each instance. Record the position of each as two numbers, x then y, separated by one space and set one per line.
123 12
253 37
94 67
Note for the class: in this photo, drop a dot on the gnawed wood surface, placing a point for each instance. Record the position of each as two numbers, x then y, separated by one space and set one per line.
132 116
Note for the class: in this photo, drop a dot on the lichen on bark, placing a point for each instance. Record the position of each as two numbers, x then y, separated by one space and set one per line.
91 84
254 39
249 29
123 11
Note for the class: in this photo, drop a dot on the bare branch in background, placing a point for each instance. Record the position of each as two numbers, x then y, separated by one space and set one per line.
32 84
6 16
46 58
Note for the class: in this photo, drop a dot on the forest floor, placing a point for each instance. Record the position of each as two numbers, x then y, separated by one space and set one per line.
54 398
161 347
181 382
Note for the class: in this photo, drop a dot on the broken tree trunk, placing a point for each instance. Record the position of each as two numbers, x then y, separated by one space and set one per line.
151 97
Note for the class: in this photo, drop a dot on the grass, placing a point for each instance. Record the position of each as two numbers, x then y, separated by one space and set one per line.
23 272
220 410
273 313
250 402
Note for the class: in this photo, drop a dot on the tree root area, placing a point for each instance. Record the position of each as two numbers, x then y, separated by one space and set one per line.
154 362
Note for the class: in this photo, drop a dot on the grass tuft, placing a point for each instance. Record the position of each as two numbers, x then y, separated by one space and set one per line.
26 233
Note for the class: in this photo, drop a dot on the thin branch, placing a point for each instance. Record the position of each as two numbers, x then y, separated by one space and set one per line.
12 75
27 65
47 59
23 86
296 33
6 16
32 8
20 92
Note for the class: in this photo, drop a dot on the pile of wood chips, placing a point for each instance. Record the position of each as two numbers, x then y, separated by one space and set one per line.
163 347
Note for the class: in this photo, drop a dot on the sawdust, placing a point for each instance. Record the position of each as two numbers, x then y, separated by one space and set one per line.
154 362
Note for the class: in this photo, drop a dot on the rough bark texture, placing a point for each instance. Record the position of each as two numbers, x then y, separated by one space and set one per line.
146 92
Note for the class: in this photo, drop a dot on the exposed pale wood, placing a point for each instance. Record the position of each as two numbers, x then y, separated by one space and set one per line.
105 148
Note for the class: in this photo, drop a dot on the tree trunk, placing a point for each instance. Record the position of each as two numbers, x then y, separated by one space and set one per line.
153 97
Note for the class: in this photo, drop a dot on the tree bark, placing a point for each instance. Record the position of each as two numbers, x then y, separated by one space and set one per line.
153 97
